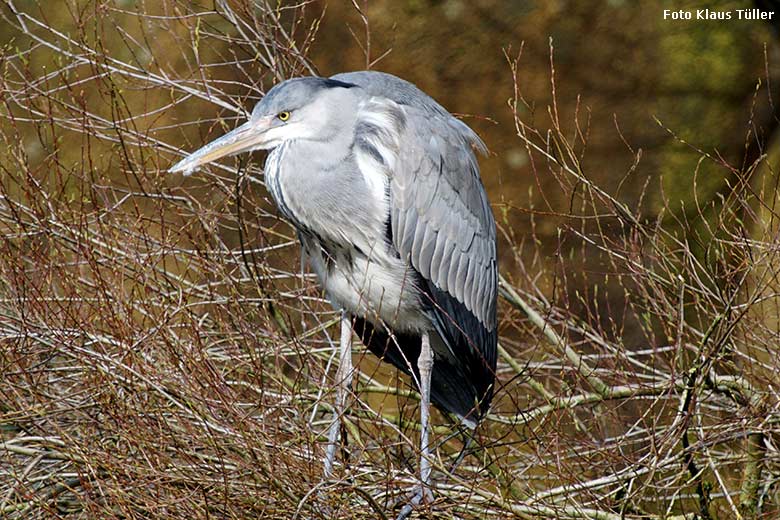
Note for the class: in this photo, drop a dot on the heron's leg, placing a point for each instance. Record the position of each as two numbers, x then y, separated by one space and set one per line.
344 382
425 367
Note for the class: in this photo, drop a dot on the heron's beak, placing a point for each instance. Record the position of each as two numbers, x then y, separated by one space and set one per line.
249 136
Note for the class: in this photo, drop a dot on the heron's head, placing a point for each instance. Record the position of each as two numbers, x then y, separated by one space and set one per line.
302 108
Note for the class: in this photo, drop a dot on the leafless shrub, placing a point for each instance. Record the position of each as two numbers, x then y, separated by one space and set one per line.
666 404
163 356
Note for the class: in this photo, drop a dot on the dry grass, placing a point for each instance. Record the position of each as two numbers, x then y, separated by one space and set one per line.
163 356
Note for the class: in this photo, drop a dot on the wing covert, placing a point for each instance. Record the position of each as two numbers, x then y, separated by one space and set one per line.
436 185
439 213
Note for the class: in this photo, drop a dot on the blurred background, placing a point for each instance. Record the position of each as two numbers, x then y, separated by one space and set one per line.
628 82
164 354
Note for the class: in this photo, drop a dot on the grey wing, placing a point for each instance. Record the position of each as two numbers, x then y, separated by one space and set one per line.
439 218
440 214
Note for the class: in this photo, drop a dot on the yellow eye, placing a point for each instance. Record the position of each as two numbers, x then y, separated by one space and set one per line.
283 116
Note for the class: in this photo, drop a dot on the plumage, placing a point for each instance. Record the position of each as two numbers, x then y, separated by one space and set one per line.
383 187
429 183
440 249
449 269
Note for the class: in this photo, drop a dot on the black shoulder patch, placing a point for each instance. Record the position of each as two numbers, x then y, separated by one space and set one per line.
334 83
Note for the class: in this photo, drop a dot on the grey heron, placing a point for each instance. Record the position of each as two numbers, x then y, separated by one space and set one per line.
383 187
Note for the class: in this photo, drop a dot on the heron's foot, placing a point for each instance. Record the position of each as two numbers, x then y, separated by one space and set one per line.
422 495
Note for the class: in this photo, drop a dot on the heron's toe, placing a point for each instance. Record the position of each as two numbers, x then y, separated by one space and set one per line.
422 495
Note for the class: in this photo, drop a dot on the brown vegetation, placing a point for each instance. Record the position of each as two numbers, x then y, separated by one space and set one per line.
163 356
